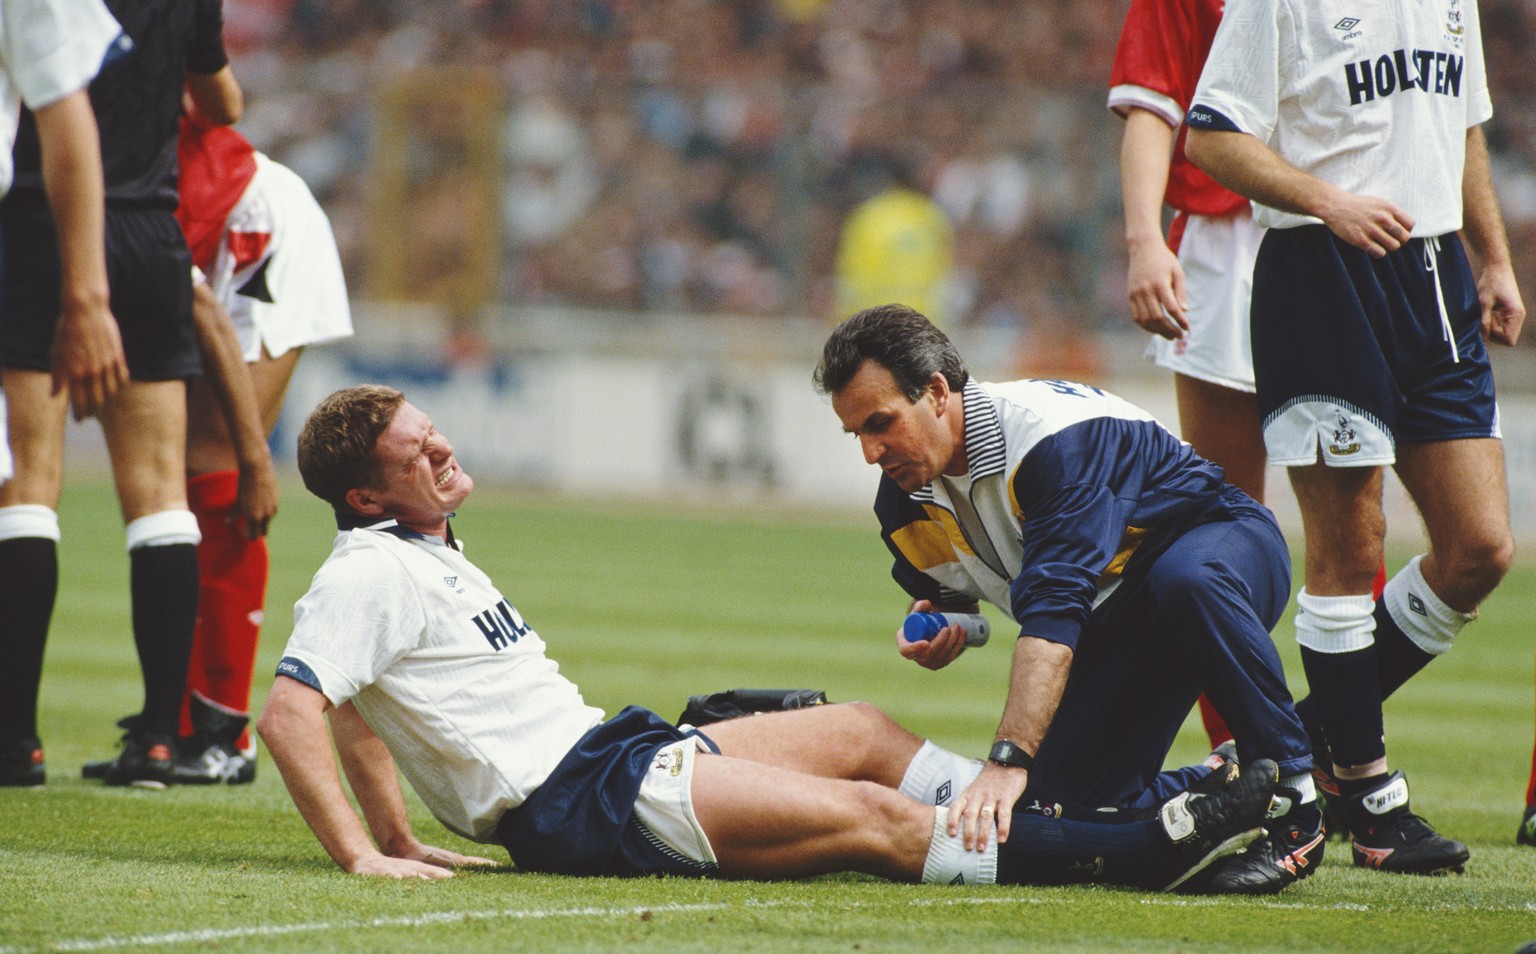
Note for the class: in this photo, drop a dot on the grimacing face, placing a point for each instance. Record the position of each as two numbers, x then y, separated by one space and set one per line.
909 440
421 480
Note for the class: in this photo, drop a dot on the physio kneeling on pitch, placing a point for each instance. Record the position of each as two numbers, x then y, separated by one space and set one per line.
407 648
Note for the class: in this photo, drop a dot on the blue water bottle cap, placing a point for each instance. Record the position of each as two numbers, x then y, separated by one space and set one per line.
921 626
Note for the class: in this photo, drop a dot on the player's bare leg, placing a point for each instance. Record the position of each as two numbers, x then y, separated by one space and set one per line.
763 821
768 822
851 740
1460 490
145 427
1222 424
233 569
209 448
1336 626
1344 527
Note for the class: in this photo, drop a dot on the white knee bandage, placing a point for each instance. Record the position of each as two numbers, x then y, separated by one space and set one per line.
1334 624
163 529
949 863
1419 613
29 521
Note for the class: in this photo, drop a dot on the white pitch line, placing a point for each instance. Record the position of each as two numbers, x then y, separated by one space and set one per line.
277 930
448 917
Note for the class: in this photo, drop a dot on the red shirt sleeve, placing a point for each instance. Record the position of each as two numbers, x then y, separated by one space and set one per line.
1157 65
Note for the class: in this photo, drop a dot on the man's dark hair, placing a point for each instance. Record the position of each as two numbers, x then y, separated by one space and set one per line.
901 340
338 438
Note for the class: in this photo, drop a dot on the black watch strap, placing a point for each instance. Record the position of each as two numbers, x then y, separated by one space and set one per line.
1006 753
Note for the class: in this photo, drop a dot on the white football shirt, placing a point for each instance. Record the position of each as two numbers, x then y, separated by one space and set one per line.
48 49
443 669
1373 96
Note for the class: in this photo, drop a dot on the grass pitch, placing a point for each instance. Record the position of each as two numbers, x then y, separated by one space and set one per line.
646 607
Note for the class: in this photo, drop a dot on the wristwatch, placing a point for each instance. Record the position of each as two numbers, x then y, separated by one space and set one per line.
1006 753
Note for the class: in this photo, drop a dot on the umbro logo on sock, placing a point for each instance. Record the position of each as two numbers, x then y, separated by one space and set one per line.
941 797
1417 605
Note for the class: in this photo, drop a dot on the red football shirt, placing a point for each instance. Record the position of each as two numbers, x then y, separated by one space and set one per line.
1157 65
217 164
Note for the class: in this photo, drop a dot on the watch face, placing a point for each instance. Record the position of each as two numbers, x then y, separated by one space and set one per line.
1005 752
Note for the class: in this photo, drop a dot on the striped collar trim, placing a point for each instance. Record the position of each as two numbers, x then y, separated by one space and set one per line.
986 453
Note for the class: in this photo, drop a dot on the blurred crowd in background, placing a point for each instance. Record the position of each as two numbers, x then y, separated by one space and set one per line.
708 156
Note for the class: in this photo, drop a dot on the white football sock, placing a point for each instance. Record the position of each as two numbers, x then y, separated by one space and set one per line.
1419 613
1335 624
1302 784
936 775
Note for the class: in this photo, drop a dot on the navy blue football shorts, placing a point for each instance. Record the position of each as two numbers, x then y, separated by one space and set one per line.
148 268
1354 354
582 820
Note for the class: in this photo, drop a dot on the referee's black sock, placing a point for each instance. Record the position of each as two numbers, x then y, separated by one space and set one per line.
29 581
164 586
1346 697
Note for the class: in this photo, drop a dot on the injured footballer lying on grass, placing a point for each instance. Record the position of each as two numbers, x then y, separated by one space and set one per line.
416 660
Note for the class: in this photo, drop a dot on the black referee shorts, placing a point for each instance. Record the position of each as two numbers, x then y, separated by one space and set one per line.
149 271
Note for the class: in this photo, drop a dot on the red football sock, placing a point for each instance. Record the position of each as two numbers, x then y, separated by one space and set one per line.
1530 788
1215 725
229 609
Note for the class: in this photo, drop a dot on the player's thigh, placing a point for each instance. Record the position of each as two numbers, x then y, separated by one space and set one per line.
1222 424
146 430
270 377
851 740
1342 519
768 822
1461 492
209 447
35 420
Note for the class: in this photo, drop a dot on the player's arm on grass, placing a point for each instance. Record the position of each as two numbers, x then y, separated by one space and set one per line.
1483 226
293 726
370 770
1240 162
230 379
87 355
1040 668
